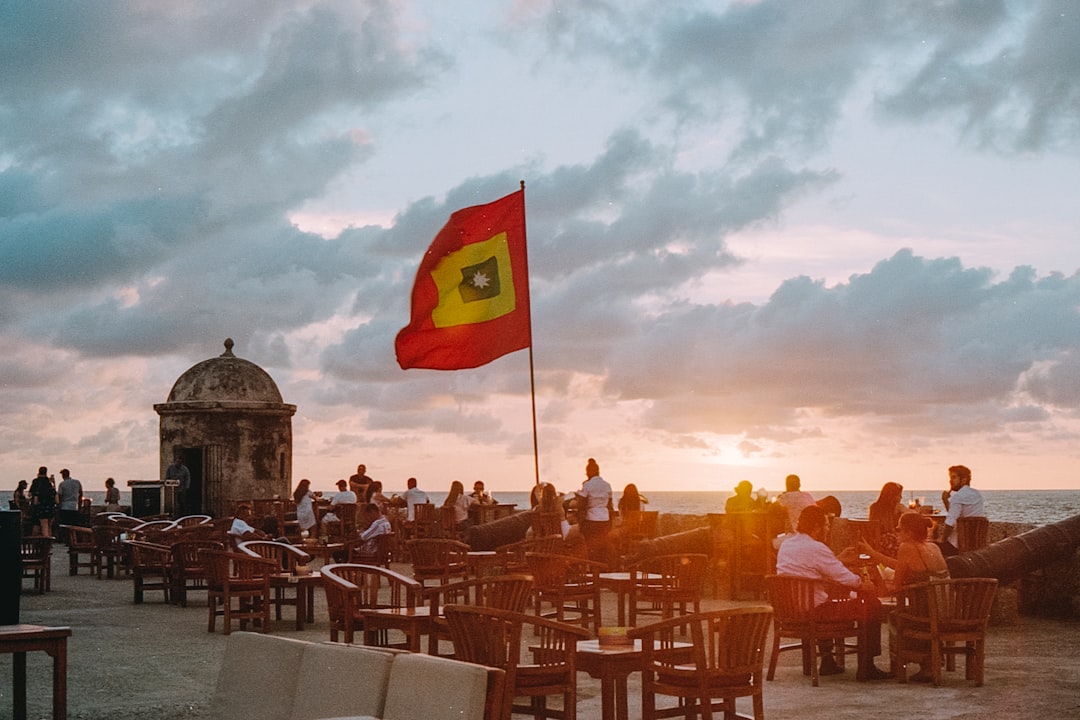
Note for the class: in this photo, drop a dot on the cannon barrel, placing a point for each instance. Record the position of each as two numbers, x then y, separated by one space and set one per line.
1014 557
498 532
699 540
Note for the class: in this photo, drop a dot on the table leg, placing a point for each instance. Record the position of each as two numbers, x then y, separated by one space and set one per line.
310 605
622 712
18 678
607 698
59 654
301 607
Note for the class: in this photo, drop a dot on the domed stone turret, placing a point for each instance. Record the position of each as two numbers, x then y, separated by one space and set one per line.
225 419
225 378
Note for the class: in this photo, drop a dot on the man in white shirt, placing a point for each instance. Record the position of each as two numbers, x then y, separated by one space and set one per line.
806 555
379 526
343 496
793 499
413 495
961 500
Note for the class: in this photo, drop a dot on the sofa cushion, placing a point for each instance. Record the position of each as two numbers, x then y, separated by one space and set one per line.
339 681
424 687
257 677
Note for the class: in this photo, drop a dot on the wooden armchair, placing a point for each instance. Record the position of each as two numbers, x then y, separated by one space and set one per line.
727 656
493 637
383 554
511 557
569 584
438 559
505 592
353 589
665 584
192 520
793 601
425 522
972 533
80 542
36 554
237 589
154 531
285 558
188 570
942 619
150 568
108 553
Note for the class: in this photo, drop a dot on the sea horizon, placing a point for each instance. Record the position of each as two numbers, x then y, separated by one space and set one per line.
1036 507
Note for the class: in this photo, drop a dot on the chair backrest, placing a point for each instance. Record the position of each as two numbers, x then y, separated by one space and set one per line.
375 587
727 644
681 574
192 520
383 554
436 554
545 524
185 555
506 592
957 605
35 550
553 572
286 556
972 533
792 598
641 524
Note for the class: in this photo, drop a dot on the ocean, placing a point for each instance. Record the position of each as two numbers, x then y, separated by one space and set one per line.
1036 507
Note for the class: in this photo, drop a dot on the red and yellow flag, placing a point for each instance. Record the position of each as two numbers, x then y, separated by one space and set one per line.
470 301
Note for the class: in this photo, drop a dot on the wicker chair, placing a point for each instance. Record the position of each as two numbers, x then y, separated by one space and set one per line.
493 637
793 601
726 662
939 620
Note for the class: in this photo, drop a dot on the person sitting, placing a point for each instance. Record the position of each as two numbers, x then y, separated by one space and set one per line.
479 496
884 516
793 500
242 530
459 502
631 500
806 555
918 559
961 500
343 496
743 499
377 525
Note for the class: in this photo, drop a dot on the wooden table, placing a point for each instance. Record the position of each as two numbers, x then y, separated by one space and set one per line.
413 622
620 583
305 594
612 665
21 639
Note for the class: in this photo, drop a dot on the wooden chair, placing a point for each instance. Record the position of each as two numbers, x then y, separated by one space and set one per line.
751 553
569 584
188 570
505 592
665 584
425 522
150 568
439 559
237 589
192 520
352 589
546 524
155 531
344 528
793 601
108 553
36 554
972 533
382 555
637 525
285 558
493 637
511 557
726 663
939 620
80 542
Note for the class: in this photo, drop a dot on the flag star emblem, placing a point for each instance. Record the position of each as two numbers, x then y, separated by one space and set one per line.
480 280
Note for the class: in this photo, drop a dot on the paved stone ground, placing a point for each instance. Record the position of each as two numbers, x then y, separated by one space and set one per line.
158 661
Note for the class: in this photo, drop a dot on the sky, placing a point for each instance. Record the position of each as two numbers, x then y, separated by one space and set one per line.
825 237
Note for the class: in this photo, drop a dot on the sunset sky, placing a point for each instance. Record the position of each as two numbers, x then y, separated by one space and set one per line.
832 238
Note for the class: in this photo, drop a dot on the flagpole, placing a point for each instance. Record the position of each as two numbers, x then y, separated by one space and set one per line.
532 373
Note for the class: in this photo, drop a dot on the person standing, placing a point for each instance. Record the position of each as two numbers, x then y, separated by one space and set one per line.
961 500
305 506
179 472
359 481
43 502
70 496
112 496
595 493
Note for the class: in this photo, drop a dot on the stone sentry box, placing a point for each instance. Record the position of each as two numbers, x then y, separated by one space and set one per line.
226 418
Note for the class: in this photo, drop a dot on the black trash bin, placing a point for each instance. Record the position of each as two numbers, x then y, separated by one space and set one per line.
10 566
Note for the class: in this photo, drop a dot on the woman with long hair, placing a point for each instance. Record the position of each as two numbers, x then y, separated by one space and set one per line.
884 515
112 496
305 505
459 501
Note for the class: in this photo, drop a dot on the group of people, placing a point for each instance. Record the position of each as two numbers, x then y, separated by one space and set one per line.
900 538
43 500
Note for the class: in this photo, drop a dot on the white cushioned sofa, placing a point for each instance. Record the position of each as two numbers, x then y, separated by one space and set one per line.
264 677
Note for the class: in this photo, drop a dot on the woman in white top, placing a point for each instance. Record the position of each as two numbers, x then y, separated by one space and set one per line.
305 505
459 501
